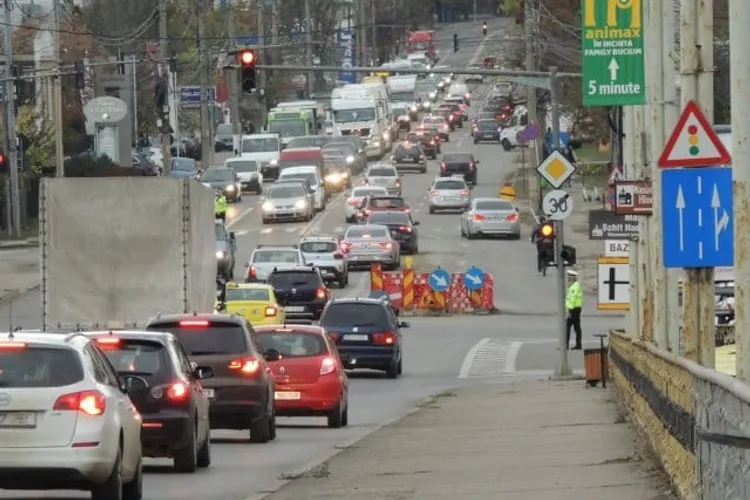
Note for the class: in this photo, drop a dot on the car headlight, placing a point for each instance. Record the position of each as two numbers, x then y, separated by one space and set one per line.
301 204
385 136
413 108
230 188
221 254
274 162
349 159
426 104
433 95
267 206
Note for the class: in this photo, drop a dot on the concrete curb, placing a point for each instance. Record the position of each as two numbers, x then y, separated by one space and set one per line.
13 295
17 244
329 454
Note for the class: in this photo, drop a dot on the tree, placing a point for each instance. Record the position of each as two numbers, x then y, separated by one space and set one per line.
37 138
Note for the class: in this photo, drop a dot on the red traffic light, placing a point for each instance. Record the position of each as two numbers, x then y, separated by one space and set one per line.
247 57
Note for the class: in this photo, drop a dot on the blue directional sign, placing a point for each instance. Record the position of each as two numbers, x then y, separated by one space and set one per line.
698 219
190 96
439 280
474 279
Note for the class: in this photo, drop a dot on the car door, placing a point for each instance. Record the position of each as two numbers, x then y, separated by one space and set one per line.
186 368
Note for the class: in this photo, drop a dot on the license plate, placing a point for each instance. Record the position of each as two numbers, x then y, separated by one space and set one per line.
295 309
18 419
489 136
356 337
210 394
287 396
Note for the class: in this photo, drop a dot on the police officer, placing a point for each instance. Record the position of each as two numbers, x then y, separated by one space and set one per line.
574 305
220 206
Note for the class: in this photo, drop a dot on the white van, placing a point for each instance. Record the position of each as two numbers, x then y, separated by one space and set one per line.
311 175
265 149
403 91
418 60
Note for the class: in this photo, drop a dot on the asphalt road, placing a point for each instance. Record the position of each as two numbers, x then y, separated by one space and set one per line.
440 353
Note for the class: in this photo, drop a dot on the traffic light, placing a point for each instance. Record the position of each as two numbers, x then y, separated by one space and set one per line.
247 59
484 29
547 231
3 163
568 255
455 42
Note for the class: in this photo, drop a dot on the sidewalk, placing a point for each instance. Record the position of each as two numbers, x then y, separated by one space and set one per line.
19 268
521 441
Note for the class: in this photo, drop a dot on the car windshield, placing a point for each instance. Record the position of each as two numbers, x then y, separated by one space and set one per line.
344 149
217 175
354 115
293 344
458 158
276 256
307 142
279 192
488 124
382 172
376 202
386 218
240 294
309 179
318 246
347 314
403 96
400 110
360 192
205 338
287 128
39 367
224 130
290 279
260 144
494 205
183 164
244 166
365 233
450 185
147 358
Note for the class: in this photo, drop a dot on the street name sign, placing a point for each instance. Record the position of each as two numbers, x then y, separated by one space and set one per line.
697 217
693 142
613 60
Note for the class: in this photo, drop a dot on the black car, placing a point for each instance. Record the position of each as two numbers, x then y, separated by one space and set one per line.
367 333
486 130
242 390
301 291
166 389
223 179
354 161
460 164
402 227
224 138
449 117
428 139
226 248
410 156
140 162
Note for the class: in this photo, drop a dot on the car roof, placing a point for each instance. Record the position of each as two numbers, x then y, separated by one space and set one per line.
284 183
176 318
237 159
358 300
290 328
160 337
276 247
248 286
387 196
481 200
218 167
324 238
367 226
451 178
41 338
381 165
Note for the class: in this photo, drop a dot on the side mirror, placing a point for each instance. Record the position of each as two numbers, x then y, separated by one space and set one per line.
416 223
272 355
203 372
403 324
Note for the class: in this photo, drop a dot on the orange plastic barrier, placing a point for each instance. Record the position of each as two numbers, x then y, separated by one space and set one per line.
488 293
393 286
376 278
408 299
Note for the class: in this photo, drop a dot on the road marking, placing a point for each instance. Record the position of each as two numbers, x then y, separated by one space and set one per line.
241 233
487 359
512 356
291 229
240 217
469 359
266 230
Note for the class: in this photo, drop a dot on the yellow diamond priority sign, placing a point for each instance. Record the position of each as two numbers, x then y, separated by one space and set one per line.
556 169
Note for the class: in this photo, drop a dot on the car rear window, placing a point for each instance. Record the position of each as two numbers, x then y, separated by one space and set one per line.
382 172
366 233
293 344
414 150
258 294
458 158
348 314
360 192
494 205
387 203
289 279
271 256
487 124
206 338
318 246
450 185
137 357
39 367
388 218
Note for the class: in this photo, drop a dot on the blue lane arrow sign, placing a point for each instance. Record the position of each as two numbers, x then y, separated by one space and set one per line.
439 280
474 279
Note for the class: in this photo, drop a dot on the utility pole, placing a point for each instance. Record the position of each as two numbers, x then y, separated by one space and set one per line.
275 42
207 147
231 76
739 64
57 91
696 21
643 250
630 151
308 47
261 76
529 28
166 139
11 142
136 125
374 26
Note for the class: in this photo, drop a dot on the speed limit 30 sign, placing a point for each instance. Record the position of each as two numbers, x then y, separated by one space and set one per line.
557 205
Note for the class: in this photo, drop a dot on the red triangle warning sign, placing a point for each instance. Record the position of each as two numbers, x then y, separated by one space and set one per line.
693 142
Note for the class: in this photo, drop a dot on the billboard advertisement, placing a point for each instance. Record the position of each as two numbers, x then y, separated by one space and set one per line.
347 54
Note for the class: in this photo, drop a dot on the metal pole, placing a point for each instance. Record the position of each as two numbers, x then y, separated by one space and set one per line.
274 41
563 368
261 75
135 99
57 90
643 287
308 47
628 165
475 11
10 124
231 76
529 30
206 142
374 26
166 139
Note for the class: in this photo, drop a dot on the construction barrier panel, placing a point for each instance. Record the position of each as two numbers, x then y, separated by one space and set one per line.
393 286
408 299
376 278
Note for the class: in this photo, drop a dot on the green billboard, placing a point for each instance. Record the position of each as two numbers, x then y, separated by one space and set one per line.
613 61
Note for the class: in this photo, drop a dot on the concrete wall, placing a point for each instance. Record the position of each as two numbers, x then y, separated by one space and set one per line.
674 402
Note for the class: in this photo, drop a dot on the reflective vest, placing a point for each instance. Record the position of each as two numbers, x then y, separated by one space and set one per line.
574 298
220 205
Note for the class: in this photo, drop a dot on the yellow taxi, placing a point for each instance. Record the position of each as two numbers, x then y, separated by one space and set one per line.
256 302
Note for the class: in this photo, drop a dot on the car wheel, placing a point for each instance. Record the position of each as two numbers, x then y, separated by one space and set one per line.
461 125
272 427
264 221
447 138
392 370
342 282
204 453
463 233
423 170
186 458
260 430
259 190
112 488
470 235
506 144
432 210
335 417
476 141
310 216
400 367
345 415
134 489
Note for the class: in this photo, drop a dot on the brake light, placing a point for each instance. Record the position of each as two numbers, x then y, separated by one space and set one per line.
443 167
12 346
433 192
92 403
338 256
467 95
345 247
383 338
503 117
471 166
251 274
194 323
106 342
368 212
334 336
177 392
405 229
321 293
432 142
248 366
450 118
387 246
465 193
423 157
479 217
354 201
327 366
512 218
270 312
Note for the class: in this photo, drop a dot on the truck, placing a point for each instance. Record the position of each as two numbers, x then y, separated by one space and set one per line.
422 41
403 90
360 114
289 123
317 108
125 249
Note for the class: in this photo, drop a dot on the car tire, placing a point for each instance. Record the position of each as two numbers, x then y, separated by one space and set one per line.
505 143
259 190
470 235
345 415
461 125
476 141
423 170
335 417
432 211
264 221
112 488
463 233
134 489
272 427
203 459
400 366
186 458
447 138
260 430
392 371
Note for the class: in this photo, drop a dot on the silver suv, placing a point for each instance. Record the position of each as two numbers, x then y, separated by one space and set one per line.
266 258
385 175
449 193
324 253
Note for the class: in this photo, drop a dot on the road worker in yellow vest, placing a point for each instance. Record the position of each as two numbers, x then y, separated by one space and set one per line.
574 305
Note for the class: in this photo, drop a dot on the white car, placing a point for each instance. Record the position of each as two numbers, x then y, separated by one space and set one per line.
385 175
67 422
248 171
311 175
351 209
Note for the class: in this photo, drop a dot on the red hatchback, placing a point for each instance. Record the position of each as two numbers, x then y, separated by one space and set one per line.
310 379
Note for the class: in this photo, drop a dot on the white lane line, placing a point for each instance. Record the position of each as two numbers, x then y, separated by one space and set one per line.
266 230
469 359
511 356
240 217
241 233
291 229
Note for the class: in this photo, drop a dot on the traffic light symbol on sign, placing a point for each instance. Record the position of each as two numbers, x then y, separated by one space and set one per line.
693 140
